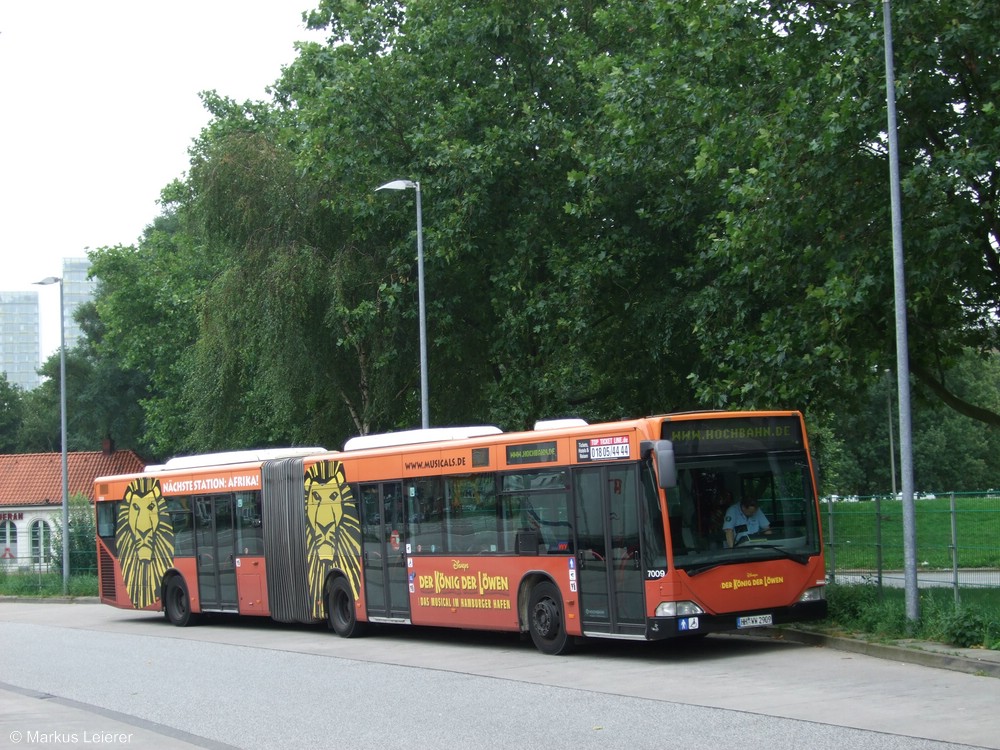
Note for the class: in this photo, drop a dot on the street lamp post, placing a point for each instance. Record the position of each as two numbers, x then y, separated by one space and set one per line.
404 185
62 426
910 583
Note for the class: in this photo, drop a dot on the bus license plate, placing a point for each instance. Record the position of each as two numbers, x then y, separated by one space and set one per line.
754 621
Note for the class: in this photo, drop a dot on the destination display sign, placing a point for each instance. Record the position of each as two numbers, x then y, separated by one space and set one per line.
699 437
533 453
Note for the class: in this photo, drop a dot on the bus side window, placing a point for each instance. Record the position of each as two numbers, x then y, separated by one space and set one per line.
249 529
537 502
472 514
425 513
180 518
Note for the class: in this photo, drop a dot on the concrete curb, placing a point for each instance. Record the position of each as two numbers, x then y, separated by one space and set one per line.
924 653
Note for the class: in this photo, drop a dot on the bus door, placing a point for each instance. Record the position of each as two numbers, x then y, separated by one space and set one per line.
215 547
607 542
384 531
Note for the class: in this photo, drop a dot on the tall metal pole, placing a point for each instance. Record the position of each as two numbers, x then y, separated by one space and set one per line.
62 426
902 352
424 409
403 185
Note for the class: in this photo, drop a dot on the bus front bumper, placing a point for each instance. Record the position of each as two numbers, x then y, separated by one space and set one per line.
659 628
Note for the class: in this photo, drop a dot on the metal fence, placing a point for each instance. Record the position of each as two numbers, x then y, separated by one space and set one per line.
958 543
957 539
25 572
12 563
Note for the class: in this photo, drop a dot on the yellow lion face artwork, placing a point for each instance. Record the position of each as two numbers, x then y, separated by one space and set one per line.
145 539
333 531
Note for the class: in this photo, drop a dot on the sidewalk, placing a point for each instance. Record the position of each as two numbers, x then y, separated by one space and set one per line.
978 661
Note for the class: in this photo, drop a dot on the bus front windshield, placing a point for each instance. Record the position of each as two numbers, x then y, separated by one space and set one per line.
731 508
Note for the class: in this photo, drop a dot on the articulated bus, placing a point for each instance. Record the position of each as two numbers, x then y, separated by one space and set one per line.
565 532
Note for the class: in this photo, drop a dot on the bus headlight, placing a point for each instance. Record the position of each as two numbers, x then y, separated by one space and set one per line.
815 594
675 609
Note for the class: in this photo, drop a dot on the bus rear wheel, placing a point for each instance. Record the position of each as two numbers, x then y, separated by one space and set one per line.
177 604
340 612
547 620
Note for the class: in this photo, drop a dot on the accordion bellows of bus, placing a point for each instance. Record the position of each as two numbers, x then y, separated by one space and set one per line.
662 527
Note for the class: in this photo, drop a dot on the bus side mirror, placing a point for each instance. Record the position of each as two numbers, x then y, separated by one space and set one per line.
666 466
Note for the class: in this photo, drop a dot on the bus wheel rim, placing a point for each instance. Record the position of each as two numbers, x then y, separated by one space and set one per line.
545 617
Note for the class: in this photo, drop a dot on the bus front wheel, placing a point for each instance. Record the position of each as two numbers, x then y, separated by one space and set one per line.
177 604
547 620
340 612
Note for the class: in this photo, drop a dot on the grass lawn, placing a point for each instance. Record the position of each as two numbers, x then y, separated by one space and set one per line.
861 530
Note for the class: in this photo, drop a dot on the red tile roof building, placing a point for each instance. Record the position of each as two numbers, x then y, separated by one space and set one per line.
31 496
36 478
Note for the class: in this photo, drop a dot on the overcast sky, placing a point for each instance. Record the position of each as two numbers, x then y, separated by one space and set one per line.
98 106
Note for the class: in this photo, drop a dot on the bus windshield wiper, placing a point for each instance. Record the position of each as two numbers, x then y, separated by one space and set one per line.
799 558
694 570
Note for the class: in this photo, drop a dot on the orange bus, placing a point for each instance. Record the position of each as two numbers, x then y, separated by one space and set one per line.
620 530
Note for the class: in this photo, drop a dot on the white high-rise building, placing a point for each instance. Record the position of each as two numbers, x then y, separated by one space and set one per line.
77 289
19 345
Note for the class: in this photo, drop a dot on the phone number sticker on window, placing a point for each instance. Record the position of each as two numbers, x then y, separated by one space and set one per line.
603 448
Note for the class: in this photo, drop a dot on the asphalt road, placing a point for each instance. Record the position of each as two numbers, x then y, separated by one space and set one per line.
86 675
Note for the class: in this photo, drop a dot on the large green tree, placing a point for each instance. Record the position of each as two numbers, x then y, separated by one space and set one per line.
148 301
765 122
534 308
298 329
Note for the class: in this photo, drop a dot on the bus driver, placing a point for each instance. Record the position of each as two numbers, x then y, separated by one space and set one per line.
743 521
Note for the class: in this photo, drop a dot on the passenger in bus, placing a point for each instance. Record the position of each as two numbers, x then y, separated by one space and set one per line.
744 520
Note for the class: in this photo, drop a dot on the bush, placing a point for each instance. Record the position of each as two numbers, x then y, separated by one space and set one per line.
850 603
42 585
863 609
968 629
